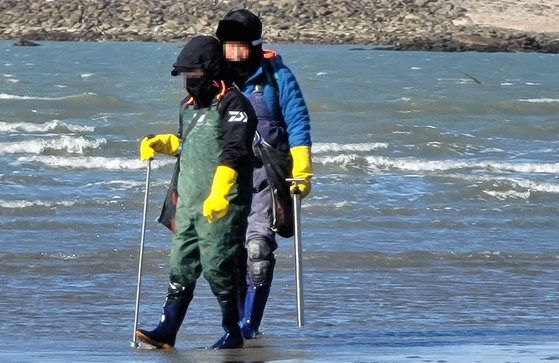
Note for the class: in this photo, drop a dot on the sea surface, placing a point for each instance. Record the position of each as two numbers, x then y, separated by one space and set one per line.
430 235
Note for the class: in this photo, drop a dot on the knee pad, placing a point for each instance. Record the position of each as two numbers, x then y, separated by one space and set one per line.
258 249
261 261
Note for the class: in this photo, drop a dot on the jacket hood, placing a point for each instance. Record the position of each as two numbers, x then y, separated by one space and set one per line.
240 25
201 52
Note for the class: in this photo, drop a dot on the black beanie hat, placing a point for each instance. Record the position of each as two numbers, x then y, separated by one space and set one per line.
240 25
202 51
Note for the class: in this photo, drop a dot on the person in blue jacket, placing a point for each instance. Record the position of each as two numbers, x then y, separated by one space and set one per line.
284 127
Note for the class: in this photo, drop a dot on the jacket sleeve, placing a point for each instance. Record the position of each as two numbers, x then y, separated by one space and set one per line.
293 107
237 127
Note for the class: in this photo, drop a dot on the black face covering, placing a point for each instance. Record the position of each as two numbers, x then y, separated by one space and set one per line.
202 57
202 89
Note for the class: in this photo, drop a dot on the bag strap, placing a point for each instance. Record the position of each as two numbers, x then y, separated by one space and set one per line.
270 72
192 123
185 102
189 101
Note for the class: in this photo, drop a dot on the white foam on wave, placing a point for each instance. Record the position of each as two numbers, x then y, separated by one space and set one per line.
18 204
118 182
6 96
381 162
43 127
520 188
419 165
60 255
323 147
552 168
509 194
70 144
536 186
93 162
401 99
442 165
517 188
127 184
341 160
539 100
491 150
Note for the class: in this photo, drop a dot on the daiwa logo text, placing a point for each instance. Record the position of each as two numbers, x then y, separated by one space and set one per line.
237 116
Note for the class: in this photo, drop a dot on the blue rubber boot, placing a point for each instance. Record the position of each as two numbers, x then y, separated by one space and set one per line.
164 336
241 297
255 302
232 338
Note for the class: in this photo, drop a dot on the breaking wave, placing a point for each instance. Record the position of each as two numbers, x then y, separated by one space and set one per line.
92 162
6 96
539 100
419 165
323 147
70 144
18 204
54 125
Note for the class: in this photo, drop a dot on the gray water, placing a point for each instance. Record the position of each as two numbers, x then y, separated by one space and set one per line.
430 233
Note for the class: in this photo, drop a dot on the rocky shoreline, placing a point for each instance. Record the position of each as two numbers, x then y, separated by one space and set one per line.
433 25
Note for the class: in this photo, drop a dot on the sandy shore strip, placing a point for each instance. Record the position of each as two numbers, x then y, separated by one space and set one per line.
530 16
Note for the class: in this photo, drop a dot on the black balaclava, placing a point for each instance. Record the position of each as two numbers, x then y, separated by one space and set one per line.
242 26
205 53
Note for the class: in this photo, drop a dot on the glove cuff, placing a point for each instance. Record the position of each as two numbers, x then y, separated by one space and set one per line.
224 179
302 162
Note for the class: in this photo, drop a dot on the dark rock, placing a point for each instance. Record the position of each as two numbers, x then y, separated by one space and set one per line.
26 43
396 24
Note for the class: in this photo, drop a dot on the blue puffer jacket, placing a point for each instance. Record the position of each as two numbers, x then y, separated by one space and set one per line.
290 105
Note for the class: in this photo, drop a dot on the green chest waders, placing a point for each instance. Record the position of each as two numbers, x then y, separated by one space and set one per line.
214 249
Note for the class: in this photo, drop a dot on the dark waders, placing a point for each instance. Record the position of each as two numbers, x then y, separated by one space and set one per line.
199 247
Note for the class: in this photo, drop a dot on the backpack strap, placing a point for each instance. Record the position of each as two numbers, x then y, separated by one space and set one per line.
269 69
270 73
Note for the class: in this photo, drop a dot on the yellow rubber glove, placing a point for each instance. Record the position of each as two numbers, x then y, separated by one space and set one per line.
216 204
302 168
164 143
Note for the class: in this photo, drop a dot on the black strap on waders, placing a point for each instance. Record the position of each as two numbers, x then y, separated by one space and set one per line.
167 215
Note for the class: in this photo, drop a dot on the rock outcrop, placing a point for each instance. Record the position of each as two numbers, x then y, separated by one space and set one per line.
436 25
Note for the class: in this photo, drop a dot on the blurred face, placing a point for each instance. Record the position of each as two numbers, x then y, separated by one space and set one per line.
191 75
236 51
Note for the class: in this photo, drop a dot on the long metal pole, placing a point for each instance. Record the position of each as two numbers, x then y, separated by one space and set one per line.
298 258
134 342
298 247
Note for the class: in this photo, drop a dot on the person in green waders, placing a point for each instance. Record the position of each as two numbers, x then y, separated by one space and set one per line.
214 191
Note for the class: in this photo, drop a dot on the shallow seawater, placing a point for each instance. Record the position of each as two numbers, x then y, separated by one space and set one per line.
430 234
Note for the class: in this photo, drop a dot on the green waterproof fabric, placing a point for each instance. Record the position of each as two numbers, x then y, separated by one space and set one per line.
216 250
